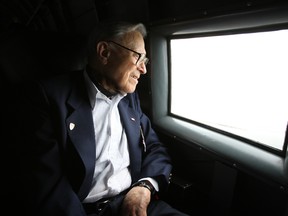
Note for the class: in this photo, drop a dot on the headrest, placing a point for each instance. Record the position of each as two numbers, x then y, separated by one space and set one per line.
27 55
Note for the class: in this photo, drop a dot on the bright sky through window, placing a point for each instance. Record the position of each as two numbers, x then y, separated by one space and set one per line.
237 83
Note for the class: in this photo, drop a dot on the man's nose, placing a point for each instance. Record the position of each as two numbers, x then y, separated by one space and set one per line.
142 68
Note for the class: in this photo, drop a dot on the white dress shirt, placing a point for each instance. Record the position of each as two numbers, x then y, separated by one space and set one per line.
112 155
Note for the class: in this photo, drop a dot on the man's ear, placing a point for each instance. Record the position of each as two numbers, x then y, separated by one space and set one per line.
103 51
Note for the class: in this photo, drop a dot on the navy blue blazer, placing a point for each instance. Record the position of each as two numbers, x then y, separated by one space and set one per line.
60 134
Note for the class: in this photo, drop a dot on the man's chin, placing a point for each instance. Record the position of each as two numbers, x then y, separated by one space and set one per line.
130 90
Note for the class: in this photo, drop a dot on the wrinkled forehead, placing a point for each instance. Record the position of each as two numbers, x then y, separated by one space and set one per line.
134 40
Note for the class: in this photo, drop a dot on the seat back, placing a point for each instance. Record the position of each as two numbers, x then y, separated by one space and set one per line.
27 55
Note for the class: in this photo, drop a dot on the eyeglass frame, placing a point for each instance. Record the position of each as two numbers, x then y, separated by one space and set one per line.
145 60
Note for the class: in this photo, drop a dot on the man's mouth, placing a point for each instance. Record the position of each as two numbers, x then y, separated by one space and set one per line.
135 77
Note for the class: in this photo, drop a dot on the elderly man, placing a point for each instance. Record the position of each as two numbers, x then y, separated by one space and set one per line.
94 150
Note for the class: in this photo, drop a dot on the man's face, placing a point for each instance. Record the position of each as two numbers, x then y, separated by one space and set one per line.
121 73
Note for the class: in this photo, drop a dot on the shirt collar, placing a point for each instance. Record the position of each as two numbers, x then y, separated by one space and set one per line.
93 90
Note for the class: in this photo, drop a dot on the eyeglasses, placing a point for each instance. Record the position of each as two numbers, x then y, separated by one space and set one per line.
141 56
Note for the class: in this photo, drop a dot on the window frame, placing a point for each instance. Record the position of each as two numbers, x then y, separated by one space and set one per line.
275 27
240 153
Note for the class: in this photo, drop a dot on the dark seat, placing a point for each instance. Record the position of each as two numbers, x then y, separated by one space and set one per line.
25 55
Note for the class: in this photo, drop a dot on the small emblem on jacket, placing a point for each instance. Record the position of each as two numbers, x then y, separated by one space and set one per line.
71 126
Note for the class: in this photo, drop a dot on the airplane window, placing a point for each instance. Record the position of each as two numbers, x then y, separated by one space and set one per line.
235 83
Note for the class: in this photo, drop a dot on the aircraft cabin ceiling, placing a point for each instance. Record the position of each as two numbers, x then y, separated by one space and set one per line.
70 15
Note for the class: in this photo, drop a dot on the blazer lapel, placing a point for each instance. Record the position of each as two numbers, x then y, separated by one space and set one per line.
131 123
81 132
